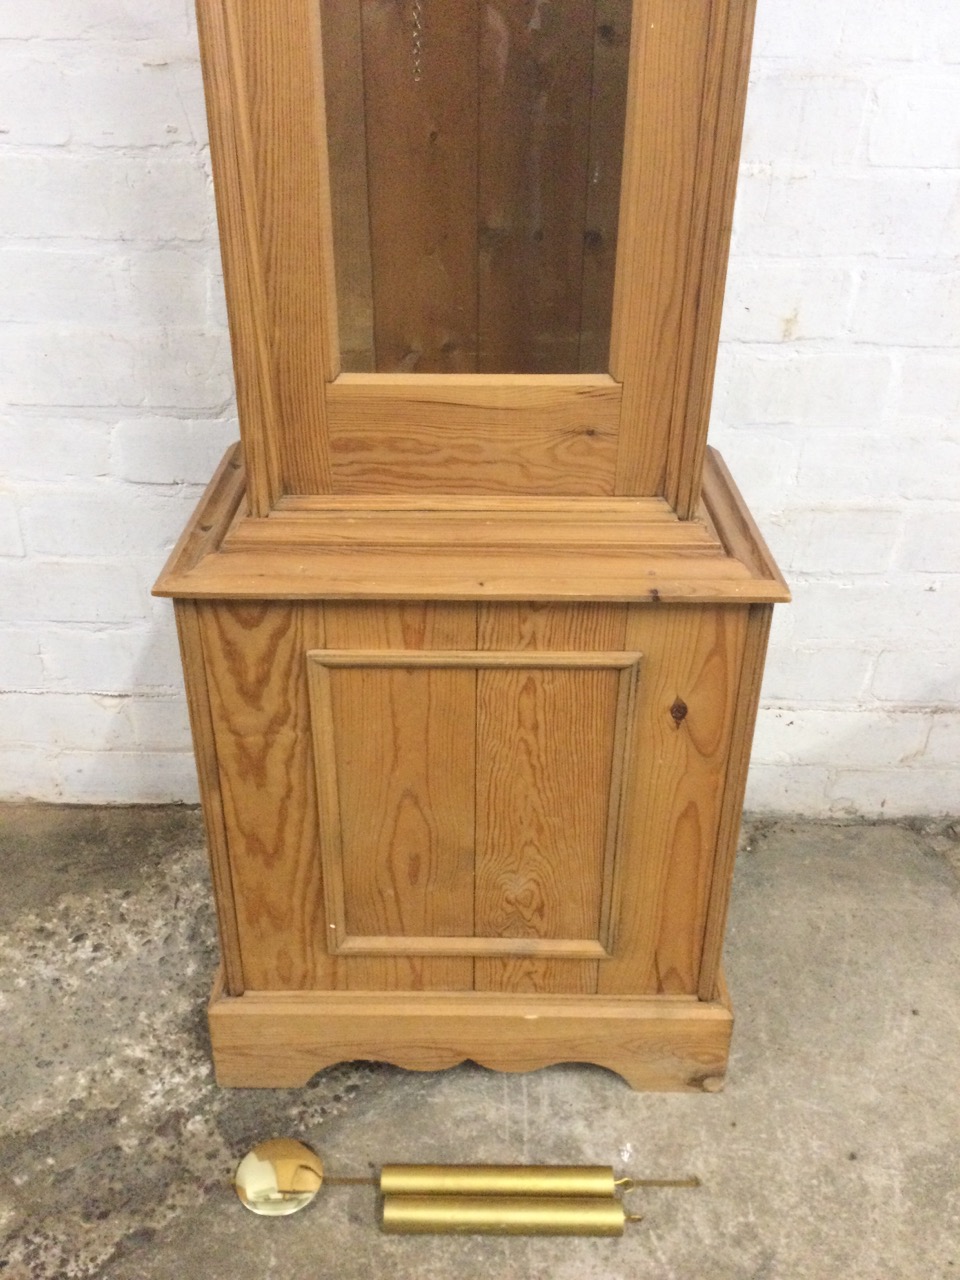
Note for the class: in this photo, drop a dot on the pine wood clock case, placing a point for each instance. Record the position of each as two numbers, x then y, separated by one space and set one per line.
472 659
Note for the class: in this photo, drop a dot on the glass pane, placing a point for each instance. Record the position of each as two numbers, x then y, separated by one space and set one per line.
475 154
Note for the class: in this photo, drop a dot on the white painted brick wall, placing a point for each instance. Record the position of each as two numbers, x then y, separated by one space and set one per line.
838 399
837 407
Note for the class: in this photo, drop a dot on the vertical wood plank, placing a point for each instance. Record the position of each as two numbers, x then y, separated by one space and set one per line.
261 721
422 176
544 770
231 153
686 718
535 84
670 42
404 745
509 820
208 776
611 59
724 101
347 145
279 52
414 838
748 700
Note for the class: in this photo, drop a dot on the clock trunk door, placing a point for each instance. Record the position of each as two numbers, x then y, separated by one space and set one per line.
471 810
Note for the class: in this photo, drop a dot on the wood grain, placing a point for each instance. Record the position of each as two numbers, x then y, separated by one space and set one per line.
211 798
222 502
408 885
688 89
422 180
509 843
534 105
278 56
261 723
685 721
685 565
437 575
347 148
269 140
748 700
742 539
725 95
245 284
608 101
670 41
473 434
546 748
400 744
410 848
411 945
280 1041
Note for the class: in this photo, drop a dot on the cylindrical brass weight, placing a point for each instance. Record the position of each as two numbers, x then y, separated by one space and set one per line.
497 1180
503 1215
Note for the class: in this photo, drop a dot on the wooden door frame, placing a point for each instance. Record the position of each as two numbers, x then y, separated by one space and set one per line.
646 419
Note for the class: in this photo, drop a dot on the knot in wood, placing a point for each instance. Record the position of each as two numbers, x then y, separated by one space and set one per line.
678 711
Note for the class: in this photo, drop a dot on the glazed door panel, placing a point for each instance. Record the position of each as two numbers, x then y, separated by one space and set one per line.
524 223
474 147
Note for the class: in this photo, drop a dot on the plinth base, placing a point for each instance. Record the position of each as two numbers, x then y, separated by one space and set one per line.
656 1043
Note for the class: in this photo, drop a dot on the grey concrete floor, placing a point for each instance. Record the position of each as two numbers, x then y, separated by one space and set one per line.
834 1150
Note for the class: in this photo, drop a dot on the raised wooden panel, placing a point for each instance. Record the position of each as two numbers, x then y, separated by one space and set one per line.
454 817
395 758
551 747
530 628
411 625
260 718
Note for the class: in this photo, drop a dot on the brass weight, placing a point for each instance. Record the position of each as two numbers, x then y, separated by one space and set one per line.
525 1215
282 1176
500 1180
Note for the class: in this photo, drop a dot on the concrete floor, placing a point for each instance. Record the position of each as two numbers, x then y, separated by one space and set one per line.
833 1152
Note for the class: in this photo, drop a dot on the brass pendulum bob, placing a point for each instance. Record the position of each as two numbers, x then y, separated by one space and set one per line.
278 1177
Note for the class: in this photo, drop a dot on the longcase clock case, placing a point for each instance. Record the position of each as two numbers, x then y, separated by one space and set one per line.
472 621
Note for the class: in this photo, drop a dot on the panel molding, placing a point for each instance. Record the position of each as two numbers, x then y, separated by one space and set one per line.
339 939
